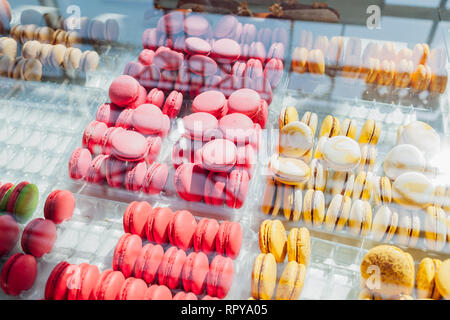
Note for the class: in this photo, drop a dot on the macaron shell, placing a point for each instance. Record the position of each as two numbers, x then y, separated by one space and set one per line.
53 279
135 218
18 274
229 239
169 272
220 277
205 236
299 245
123 90
264 276
108 285
38 237
25 203
128 145
194 272
157 225
148 262
59 206
181 229
189 180
156 292
9 234
132 289
83 282
215 188
291 282
126 252
443 279
79 163
236 189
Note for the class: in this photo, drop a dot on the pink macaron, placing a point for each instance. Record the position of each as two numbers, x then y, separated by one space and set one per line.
173 103
108 285
127 250
204 238
115 171
157 292
171 23
236 127
253 69
124 91
149 119
202 65
18 274
263 87
83 282
200 126
225 50
237 186
226 27
107 138
273 71
213 102
148 262
215 185
196 45
229 239
92 136
128 146
196 25
134 177
59 206
153 149
181 229
155 178
107 113
157 225
194 273
262 114
132 289
219 155
220 277
245 157
150 77
133 69
257 51
135 218
79 163
181 295
189 181
248 33
169 273
245 101
9 234
97 170
168 59
276 51
145 57
156 97
125 119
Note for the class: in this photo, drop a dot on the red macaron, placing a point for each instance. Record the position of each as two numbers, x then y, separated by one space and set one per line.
83 282
79 163
204 239
215 188
173 104
185 296
157 225
38 237
229 239
181 229
220 277
59 206
134 177
237 186
18 274
126 252
97 170
155 178
148 262
189 181
194 272
56 286
124 90
135 217
157 292
132 289
169 272
108 285
9 234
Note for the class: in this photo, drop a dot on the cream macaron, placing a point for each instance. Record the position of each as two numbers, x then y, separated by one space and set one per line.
296 139
289 170
412 190
368 157
435 228
348 128
403 158
381 190
408 230
362 189
273 197
313 208
318 178
360 218
384 224
342 182
421 135
341 153
338 213
311 119
292 202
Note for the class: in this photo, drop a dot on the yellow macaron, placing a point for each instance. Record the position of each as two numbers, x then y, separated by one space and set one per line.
362 188
291 282
273 239
264 276
299 245
370 132
425 279
368 157
435 228
384 224
330 127
443 279
311 119
381 190
287 115
348 128
338 213
408 230
272 198
360 218
318 178
292 202
342 183
313 207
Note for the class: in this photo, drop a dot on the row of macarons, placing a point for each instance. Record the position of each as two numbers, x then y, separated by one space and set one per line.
86 282
173 267
398 277
175 24
38 238
162 226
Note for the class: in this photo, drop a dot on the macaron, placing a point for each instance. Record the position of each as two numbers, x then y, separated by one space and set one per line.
362 188
273 197
220 277
318 178
384 224
289 170
135 218
167 59
18 274
264 276
181 229
155 97
107 137
132 289
148 262
59 206
133 69
189 180
426 279
337 213
412 190
212 102
273 71
225 50
56 287
368 157
181 295
128 145
421 135
299 245
108 285
202 65
204 239
442 279
155 178
107 113
92 136
245 101
396 271
408 230
9 234
435 228
219 155
157 225
172 105
236 188
403 158
313 207
169 272
292 201
370 132
236 127
348 128
341 153
295 139
229 239
310 118
134 177
215 188
342 183
291 282
23 201
127 250
79 163
157 292
83 282
273 239
330 127
287 115
196 45
124 90
149 119
200 126
38 237
194 273
360 218
5 192
381 190
146 57
115 171
196 25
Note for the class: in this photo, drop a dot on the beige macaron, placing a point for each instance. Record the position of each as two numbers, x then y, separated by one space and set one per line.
273 198
273 239
443 279
318 178
403 158
435 228
292 202
342 183
362 188
8 47
313 208
44 54
341 153
289 170
89 61
299 245
412 190
381 190
360 218
72 59
44 34
421 135
291 281
338 213
6 64
296 139
264 276
32 70
408 230
31 49
311 119
384 224
368 157
56 57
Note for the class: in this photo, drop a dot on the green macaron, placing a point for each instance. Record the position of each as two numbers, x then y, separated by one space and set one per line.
4 200
23 201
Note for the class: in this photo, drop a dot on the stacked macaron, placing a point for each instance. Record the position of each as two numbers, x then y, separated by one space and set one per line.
180 228
275 245
121 146
190 56
173 267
